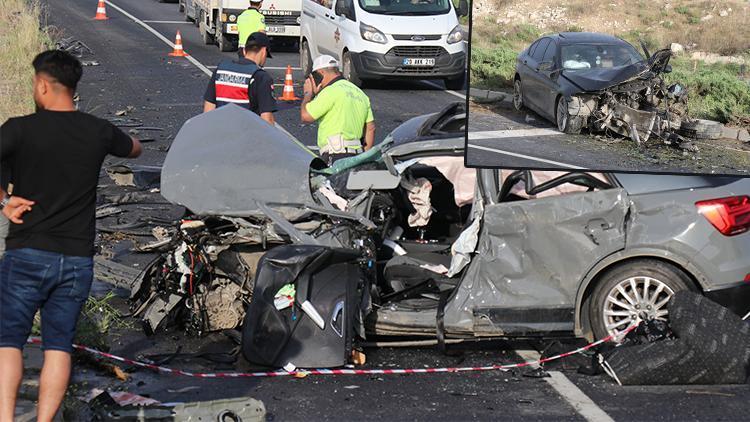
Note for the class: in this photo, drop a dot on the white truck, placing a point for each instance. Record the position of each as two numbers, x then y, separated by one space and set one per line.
217 19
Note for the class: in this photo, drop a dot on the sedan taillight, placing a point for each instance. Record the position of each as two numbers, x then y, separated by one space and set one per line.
730 216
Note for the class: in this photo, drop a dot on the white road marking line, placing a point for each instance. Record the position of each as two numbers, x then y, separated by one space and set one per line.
512 133
197 64
572 394
171 22
525 157
454 93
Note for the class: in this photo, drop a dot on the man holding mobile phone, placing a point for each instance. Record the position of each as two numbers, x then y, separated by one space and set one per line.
346 124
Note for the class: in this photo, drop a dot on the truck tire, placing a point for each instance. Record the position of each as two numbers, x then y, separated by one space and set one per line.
701 129
305 59
226 43
350 72
565 122
456 84
208 39
661 279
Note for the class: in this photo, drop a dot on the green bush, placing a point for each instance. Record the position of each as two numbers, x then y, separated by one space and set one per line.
493 67
715 91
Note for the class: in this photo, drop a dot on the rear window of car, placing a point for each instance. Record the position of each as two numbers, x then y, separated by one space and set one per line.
636 183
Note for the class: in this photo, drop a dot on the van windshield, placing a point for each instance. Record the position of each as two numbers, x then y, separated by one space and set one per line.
406 7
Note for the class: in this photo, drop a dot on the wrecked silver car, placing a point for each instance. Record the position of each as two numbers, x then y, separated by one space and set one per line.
405 241
602 83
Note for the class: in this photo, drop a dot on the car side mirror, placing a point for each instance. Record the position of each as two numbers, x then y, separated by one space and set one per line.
546 66
463 8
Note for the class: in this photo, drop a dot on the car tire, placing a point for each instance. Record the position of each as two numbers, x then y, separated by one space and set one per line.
701 129
662 281
456 84
565 122
225 43
305 59
518 95
350 72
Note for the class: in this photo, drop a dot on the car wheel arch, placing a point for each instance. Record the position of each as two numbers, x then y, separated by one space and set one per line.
582 326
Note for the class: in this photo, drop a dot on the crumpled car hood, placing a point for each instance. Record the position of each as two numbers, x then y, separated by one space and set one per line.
603 78
598 79
223 161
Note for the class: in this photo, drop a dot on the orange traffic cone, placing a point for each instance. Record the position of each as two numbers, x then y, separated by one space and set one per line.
288 94
101 12
178 51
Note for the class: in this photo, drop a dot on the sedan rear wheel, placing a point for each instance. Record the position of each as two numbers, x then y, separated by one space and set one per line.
634 292
517 95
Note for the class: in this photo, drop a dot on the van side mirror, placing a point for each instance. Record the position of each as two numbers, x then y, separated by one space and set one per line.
342 9
463 8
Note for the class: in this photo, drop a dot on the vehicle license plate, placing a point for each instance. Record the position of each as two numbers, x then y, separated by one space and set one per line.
419 62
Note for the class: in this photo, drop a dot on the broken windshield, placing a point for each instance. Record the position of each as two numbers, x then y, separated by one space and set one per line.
406 7
598 56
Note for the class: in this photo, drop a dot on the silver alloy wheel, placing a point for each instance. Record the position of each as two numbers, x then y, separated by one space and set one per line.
633 300
562 114
517 95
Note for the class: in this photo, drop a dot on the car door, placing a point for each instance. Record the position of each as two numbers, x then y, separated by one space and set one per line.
533 82
531 257
313 13
328 33
346 23
548 73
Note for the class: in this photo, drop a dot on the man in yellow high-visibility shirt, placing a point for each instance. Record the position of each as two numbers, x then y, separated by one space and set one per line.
251 20
346 125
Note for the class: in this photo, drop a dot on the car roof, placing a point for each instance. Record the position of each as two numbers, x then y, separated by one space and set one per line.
586 37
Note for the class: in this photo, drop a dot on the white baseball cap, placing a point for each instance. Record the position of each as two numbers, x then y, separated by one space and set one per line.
323 62
256 1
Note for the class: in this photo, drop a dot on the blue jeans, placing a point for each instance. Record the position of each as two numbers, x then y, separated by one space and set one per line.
31 279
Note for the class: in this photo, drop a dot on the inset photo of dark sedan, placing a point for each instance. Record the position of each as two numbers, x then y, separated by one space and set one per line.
596 101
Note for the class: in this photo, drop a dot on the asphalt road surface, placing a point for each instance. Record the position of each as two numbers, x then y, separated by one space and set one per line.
135 79
500 136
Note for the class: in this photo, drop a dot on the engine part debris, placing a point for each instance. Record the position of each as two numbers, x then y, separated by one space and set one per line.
142 177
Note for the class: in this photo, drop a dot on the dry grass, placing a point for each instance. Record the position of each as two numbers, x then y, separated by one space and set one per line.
21 38
658 22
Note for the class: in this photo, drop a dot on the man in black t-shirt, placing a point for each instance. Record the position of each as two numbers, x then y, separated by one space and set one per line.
53 159
244 82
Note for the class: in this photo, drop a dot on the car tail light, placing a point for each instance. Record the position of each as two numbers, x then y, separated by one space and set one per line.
730 216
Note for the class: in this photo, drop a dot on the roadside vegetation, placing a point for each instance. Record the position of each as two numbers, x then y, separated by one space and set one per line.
708 31
21 38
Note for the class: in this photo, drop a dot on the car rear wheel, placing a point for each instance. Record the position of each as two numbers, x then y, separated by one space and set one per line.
633 292
565 122
350 73
517 95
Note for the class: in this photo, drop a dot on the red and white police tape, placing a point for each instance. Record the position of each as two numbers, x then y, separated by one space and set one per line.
306 372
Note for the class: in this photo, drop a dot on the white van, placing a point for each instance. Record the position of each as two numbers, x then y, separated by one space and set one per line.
383 39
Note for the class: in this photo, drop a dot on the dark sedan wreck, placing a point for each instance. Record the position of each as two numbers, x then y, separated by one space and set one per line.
405 241
602 83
